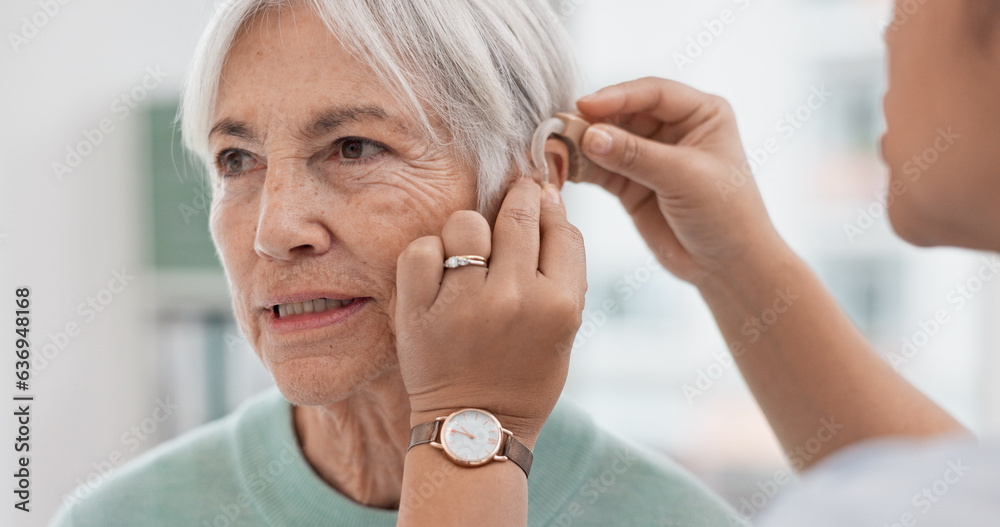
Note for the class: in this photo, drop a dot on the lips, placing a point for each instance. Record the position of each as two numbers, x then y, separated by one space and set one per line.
311 310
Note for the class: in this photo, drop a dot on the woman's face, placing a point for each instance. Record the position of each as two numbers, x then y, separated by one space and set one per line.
323 180
943 111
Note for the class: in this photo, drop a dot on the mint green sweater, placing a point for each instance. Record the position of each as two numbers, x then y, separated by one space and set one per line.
247 470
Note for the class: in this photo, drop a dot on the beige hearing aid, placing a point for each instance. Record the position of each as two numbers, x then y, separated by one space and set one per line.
569 128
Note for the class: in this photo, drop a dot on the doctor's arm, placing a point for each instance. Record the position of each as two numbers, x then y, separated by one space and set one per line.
675 160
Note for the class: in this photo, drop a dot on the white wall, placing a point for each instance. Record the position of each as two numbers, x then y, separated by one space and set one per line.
66 238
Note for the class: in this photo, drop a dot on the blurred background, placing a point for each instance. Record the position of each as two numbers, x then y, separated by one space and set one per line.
103 216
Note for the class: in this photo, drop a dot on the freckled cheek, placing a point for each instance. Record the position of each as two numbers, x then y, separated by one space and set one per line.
376 236
391 220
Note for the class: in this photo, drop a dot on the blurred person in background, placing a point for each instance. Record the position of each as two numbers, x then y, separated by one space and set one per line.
337 133
877 451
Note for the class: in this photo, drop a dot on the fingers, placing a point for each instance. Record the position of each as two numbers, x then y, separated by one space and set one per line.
561 254
645 125
668 101
419 270
660 109
637 158
525 218
466 233
515 235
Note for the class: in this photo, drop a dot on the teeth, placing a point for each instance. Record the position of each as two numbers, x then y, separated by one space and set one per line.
318 305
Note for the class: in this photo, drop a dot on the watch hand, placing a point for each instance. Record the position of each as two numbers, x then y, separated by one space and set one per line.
467 433
461 432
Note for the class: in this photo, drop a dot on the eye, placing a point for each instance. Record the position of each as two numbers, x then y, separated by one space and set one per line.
234 162
358 149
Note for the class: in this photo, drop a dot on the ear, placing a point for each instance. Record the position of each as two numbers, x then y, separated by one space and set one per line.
557 157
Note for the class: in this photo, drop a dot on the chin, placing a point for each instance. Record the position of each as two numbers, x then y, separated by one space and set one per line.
908 227
319 381
913 212
931 224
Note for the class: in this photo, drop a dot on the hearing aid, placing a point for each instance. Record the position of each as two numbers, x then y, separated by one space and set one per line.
570 129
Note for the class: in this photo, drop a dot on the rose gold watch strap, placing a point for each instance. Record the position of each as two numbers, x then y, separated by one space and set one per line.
519 454
423 433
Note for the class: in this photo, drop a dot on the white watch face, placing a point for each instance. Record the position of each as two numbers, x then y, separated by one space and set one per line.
471 436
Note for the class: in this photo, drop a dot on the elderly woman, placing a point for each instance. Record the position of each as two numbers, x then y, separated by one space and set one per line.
338 132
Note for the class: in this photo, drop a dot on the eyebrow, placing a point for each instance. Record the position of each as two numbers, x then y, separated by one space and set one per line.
322 123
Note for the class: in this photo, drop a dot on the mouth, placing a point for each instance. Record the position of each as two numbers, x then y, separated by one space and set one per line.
312 313
317 305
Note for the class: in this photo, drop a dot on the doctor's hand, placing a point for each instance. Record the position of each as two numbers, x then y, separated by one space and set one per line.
495 337
674 158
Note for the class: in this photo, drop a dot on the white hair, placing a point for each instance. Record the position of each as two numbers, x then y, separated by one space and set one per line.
489 70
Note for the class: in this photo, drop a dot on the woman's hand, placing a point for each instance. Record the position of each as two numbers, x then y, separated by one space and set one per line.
496 337
678 167
676 162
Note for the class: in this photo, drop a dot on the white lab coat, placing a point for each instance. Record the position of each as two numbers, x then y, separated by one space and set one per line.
947 482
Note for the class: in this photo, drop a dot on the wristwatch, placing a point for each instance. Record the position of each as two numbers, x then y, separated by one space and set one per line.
472 438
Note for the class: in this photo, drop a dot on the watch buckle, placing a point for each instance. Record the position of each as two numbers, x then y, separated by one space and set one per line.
436 435
506 445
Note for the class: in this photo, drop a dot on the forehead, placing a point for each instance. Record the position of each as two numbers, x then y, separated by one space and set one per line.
286 62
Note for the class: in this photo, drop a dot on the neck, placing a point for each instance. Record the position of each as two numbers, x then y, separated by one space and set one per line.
358 445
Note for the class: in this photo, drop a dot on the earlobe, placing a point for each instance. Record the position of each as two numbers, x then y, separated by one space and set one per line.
557 157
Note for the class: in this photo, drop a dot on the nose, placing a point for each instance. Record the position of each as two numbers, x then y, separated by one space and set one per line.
291 221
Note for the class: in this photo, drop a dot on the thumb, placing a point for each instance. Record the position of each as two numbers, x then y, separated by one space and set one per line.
561 251
658 166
